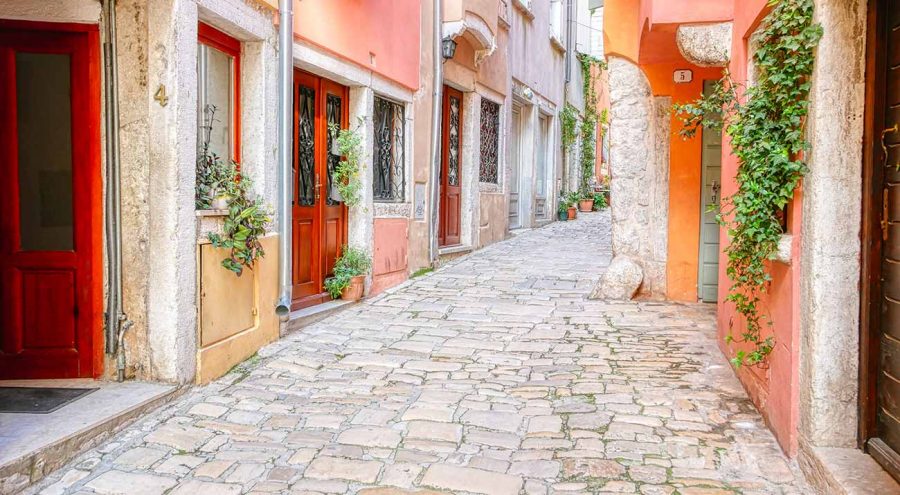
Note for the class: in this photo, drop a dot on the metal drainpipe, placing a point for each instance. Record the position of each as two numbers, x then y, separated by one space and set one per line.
117 322
436 109
285 145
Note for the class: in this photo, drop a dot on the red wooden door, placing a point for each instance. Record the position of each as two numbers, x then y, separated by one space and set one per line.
319 215
451 146
49 201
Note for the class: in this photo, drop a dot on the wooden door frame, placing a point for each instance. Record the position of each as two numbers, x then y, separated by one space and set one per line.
871 238
86 95
322 87
443 218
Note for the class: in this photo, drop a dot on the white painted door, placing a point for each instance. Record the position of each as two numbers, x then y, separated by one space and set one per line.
711 195
515 141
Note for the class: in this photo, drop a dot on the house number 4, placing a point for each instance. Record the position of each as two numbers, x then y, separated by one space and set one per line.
160 96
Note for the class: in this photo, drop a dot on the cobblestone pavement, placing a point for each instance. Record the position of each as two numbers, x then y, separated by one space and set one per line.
493 375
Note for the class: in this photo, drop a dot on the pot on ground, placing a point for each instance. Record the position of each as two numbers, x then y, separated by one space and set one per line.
572 212
562 216
354 291
586 205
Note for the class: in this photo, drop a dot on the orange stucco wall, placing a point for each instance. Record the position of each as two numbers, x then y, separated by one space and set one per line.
384 30
684 180
773 388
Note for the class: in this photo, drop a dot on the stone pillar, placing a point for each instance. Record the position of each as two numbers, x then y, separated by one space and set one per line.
470 158
639 164
829 245
172 55
361 223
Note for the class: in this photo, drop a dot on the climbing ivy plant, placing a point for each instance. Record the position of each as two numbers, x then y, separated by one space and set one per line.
569 123
765 122
589 122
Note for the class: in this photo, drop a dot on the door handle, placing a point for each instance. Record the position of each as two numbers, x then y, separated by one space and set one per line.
317 187
716 187
884 134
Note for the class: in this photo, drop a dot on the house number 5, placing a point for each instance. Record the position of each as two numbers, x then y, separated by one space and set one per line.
160 96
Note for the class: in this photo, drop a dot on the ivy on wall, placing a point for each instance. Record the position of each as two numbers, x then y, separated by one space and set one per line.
766 128
590 120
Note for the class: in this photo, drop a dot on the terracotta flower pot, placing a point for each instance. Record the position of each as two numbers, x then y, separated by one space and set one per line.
572 212
586 205
354 291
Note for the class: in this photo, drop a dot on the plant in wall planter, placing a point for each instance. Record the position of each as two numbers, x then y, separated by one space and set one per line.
348 145
245 223
350 272
213 173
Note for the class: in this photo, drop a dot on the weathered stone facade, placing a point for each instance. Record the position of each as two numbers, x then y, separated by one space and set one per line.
639 165
706 45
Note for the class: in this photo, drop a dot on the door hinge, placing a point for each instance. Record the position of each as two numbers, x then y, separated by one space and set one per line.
884 214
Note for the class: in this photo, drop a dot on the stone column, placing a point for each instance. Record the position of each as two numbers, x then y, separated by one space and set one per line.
639 164
172 329
361 223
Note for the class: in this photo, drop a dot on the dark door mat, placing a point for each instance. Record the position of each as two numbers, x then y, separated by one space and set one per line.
38 400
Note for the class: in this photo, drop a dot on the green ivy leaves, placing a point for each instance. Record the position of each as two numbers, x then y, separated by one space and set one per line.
766 128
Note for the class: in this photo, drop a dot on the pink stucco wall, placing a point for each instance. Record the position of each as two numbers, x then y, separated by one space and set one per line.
390 260
362 30
774 387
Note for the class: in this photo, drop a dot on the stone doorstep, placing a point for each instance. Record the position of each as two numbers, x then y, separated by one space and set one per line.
32 466
307 316
844 471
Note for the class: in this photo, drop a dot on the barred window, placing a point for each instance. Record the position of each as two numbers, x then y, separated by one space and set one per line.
490 131
389 145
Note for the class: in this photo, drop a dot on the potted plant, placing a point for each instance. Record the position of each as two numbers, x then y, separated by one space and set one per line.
347 179
245 223
213 173
350 271
586 202
562 211
571 200
600 201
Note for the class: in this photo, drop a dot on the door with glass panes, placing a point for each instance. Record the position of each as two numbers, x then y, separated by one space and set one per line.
50 213
319 215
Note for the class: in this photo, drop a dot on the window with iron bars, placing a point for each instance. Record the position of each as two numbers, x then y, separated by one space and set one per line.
490 139
389 177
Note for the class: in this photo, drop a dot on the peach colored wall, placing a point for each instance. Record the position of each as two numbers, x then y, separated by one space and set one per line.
773 389
358 30
684 180
389 263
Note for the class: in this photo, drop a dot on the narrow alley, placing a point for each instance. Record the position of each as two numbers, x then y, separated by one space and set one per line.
495 374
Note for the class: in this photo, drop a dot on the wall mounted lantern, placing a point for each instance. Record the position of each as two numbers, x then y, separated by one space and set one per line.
448 48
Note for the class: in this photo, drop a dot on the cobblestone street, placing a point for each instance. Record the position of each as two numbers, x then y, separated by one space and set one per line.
493 375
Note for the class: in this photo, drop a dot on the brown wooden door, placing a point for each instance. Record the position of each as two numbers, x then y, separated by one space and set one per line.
880 391
319 215
49 201
451 147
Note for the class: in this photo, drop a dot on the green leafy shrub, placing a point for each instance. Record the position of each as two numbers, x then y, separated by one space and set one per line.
352 262
245 223
766 128
599 201
347 173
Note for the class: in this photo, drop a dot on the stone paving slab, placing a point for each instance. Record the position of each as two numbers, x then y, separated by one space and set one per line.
492 375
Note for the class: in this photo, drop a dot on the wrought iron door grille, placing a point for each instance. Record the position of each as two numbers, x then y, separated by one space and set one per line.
390 179
453 138
306 147
333 115
490 132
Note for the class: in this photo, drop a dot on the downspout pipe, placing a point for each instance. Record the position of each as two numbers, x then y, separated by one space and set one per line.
285 145
436 109
117 322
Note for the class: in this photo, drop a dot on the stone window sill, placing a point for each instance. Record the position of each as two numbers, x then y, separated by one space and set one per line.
392 210
557 43
525 7
785 248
